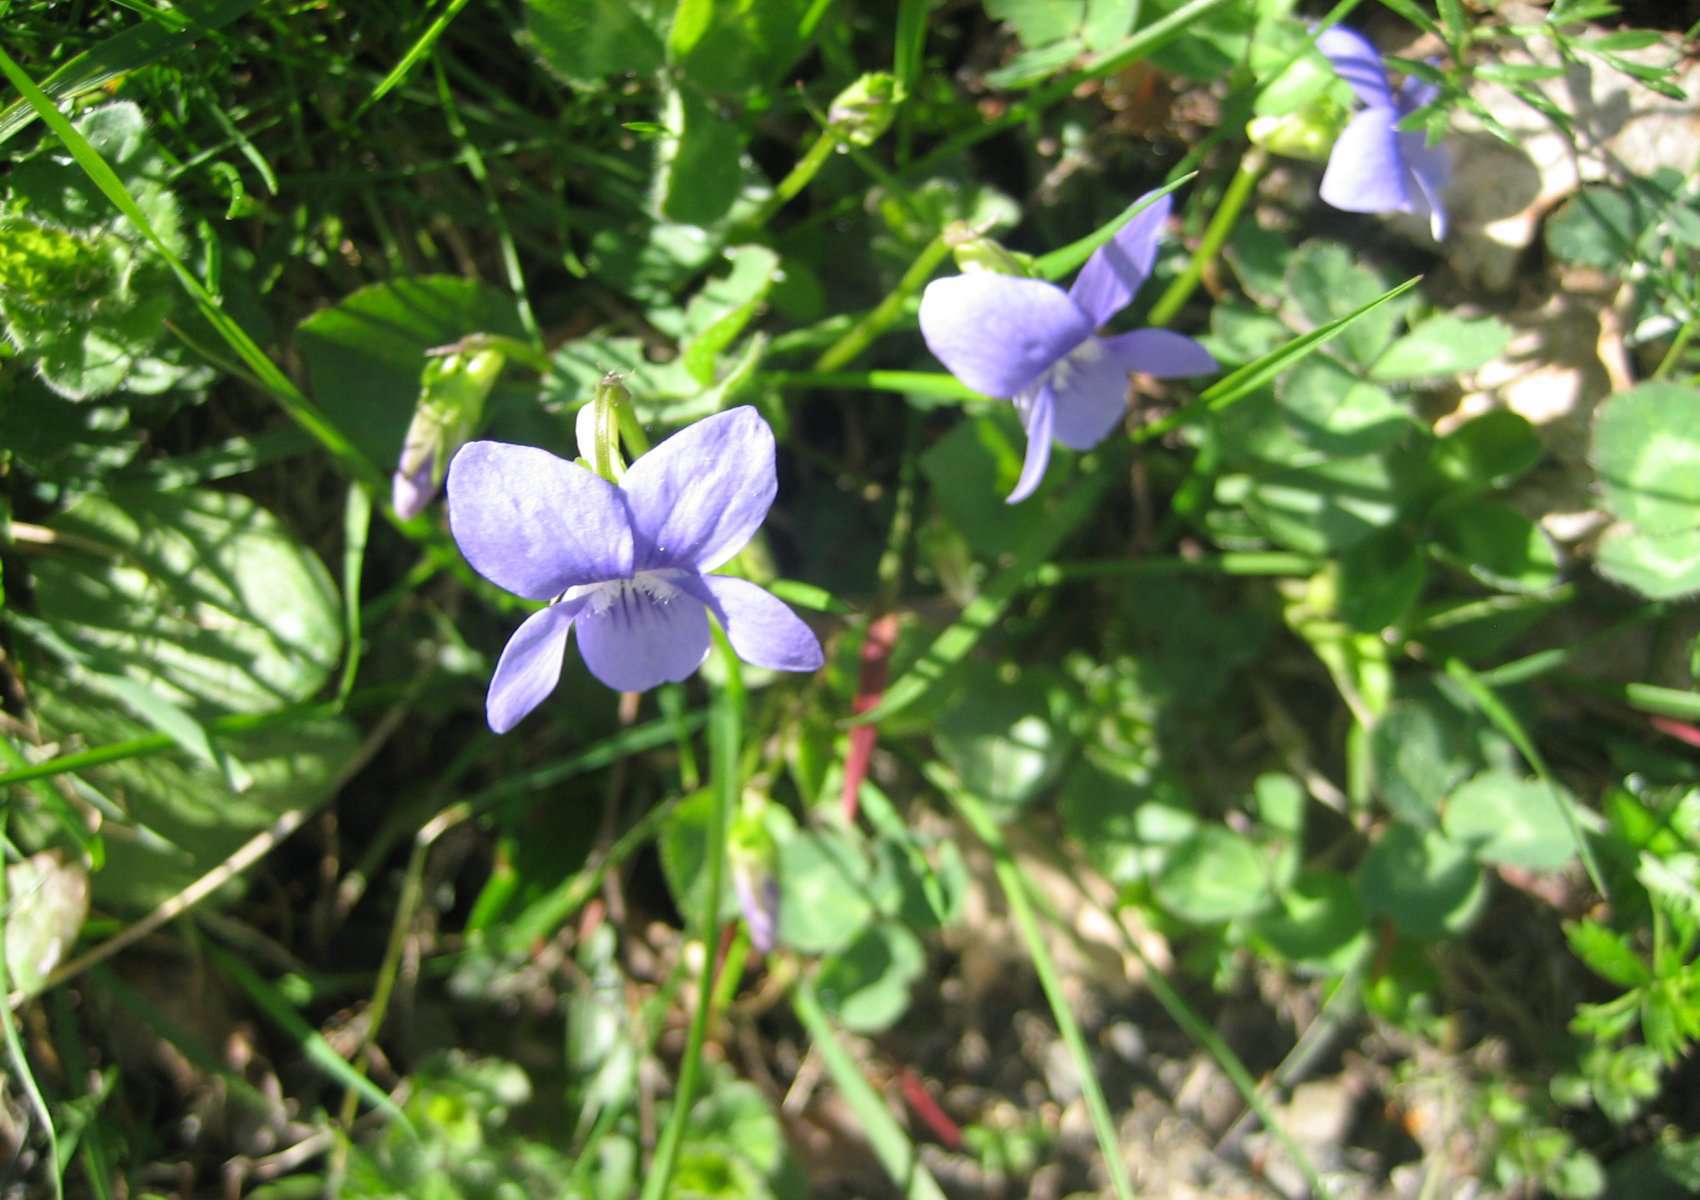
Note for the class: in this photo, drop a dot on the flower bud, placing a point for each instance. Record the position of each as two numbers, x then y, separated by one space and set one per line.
750 851
974 251
597 428
862 112
1307 133
452 390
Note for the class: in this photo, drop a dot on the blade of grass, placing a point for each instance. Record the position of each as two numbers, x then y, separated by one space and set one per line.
267 372
93 1148
725 736
1014 885
1246 380
1488 701
951 646
309 1041
474 163
420 48
890 1144
1060 262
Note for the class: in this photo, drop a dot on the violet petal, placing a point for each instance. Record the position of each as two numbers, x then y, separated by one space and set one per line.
1159 353
1366 171
529 668
1430 170
1037 411
633 641
533 523
1358 62
700 495
1090 391
1114 273
998 333
761 627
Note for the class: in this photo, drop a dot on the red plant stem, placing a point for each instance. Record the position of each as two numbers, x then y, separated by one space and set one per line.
870 687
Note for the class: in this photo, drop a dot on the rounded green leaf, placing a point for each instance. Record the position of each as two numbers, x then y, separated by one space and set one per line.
1661 566
1647 452
1509 820
1317 923
826 891
1497 545
1425 884
202 595
866 984
1445 344
1214 875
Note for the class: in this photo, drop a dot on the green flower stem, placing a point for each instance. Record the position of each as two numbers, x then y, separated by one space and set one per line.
846 348
1014 886
1678 345
890 1144
724 737
1222 223
921 383
798 178
1248 562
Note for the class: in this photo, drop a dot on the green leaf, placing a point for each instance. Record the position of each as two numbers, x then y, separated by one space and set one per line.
1427 886
1317 923
1039 22
718 313
200 594
364 354
1321 509
1420 753
1661 566
699 162
683 846
1378 580
1117 819
1598 227
1646 448
1445 344
1508 820
866 985
738 46
1607 953
181 817
828 891
1497 545
1214 875
1339 414
587 42
1326 285
1240 335
1006 741
1487 451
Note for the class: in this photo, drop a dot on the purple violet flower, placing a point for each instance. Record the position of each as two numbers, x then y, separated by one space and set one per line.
626 564
1376 167
1028 341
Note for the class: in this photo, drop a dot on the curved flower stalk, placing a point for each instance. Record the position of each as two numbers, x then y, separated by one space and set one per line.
1375 167
627 565
1029 341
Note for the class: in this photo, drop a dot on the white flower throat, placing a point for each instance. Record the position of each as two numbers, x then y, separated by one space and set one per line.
650 587
1058 376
